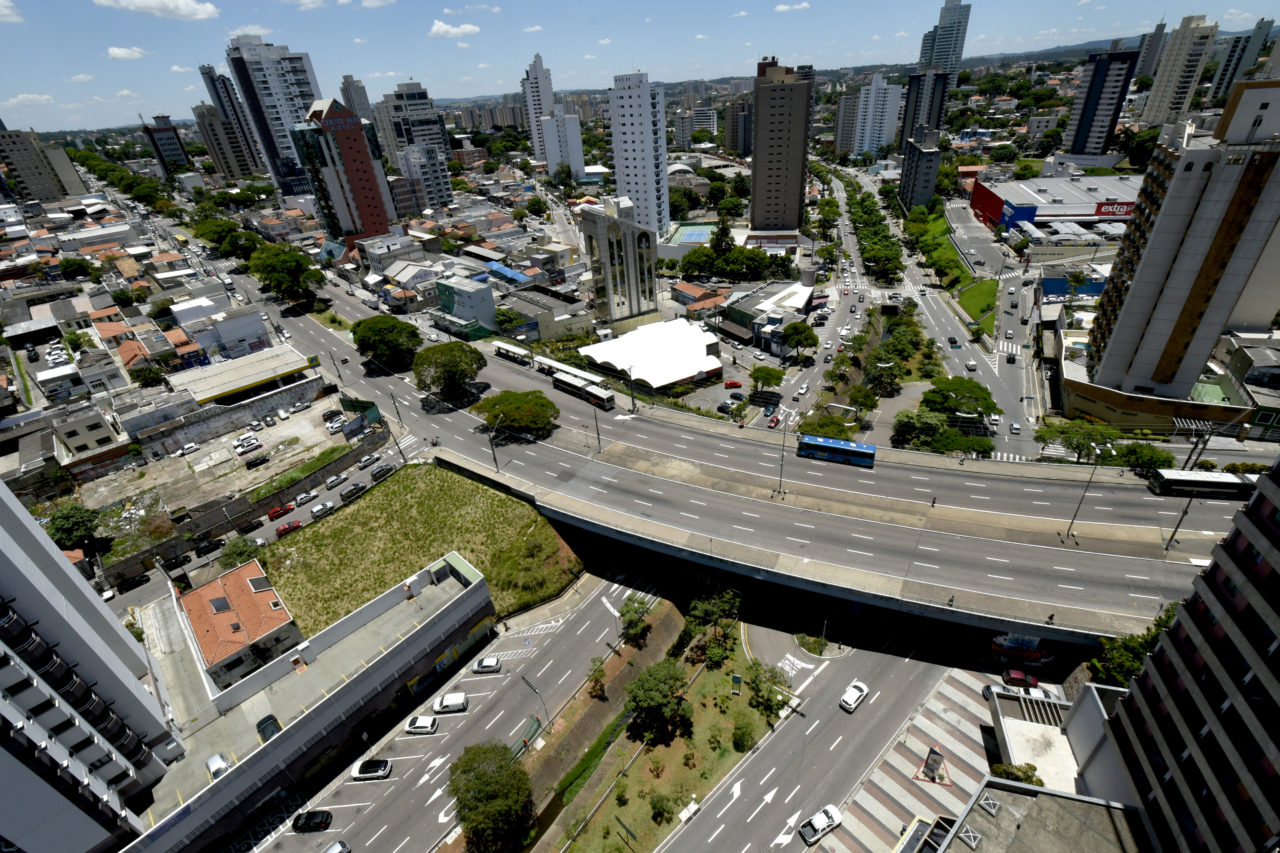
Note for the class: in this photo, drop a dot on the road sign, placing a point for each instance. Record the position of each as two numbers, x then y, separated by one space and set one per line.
737 684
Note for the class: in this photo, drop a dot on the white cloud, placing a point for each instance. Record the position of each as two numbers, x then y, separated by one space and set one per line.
9 13
698 36
307 5
357 41
536 28
126 52
440 29
1047 34
26 98
589 56
182 69
192 88
250 30
901 34
383 74
1084 2
482 7
181 10
982 37
481 65
126 93
463 44
451 11
746 44
1234 16
463 79
80 78
374 4
738 15
791 7
875 37
1099 8
602 41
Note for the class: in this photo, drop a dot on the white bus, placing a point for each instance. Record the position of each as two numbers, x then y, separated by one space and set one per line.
1208 484
512 353
581 388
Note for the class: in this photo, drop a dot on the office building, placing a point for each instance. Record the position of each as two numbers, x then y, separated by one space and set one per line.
1236 55
920 164
426 167
943 46
223 97
1199 253
704 118
681 129
231 156
41 171
84 722
562 138
638 120
1181 65
621 253
344 161
167 146
738 128
278 87
353 95
1196 733
539 97
876 119
1150 46
780 148
408 116
925 103
1096 107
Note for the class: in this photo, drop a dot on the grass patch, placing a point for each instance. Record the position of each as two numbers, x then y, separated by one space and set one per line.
812 645
979 299
939 253
580 773
288 478
988 323
22 376
327 570
330 318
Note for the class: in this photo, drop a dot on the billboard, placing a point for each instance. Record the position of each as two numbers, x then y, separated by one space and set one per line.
1114 209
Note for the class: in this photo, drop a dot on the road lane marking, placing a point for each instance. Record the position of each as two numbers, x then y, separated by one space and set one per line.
752 514
863 553
740 527
642 503
924 565
801 541
645 437
714 834
861 536
997 559
802 524
1104 508
1033 490
767 775
837 743
655 491
1136 595
563 677
1153 499
544 669
976 485
792 794
980 497
918 477
918 489
601 637
688 437
1064 568
519 726
721 455
598 489
812 727
927 548
681 446
688 514
1138 577
699 503
868 482
380 831
1042 503
610 479
583 628
730 446
1000 577
1065 586
564 464
495 719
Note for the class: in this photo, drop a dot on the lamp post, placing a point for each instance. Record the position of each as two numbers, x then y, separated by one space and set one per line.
782 457
493 449
1097 456
632 382
546 713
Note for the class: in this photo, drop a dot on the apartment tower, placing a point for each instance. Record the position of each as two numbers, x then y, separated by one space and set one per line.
223 97
1236 55
1150 46
232 157
780 148
878 107
738 125
539 97
1181 65
1096 107
621 253
562 138
426 167
354 96
943 46
41 171
638 120
167 146
408 116
925 101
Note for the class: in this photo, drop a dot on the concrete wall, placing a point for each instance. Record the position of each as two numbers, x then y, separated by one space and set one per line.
1099 764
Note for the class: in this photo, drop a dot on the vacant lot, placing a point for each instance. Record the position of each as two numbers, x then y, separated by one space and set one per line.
328 569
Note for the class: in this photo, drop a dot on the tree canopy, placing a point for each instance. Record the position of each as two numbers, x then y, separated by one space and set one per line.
72 267
1079 436
238 551
529 412
656 699
72 526
448 369
536 206
799 336
959 396
494 798
764 376
388 341
285 271
1122 657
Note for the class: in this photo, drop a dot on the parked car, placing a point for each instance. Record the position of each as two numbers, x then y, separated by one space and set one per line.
971 366
381 472
255 425
352 491
732 383
450 703
773 422
277 511
256 461
268 727
813 829
188 448
374 768
853 696
298 407
287 528
336 425
217 766
305 498
422 725
247 447
268 420
331 414
487 664
1018 678
314 821
770 410
737 395
208 546
321 510
335 480
366 461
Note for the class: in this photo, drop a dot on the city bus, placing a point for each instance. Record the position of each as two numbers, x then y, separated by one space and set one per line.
551 367
512 353
581 388
836 450
1202 484
180 238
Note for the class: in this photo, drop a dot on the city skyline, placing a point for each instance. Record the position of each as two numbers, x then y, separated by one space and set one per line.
126 57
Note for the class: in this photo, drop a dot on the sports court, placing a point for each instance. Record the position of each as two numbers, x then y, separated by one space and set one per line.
693 234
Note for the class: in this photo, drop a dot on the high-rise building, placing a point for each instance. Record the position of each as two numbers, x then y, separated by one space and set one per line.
539 97
42 172
1196 257
562 137
1181 65
925 103
943 46
223 97
621 253
278 87
84 723
920 164
426 167
638 120
1150 46
1196 732
1237 54
166 145
877 115
352 94
780 148
738 128
846 122
408 116
1099 97
341 154
704 118
227 147
681 129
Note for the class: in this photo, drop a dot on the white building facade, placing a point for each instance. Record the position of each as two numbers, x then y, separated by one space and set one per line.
539 97
877 122
637 113
562 137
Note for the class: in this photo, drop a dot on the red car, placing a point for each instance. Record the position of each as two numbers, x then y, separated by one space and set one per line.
287 528
1018 678
732 383
846 291
773 422
840 348
276 512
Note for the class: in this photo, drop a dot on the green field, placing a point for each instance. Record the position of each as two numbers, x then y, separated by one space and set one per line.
979 298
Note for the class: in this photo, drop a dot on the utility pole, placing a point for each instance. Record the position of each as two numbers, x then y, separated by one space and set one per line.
596 417
494 450
403 459
1084 494
782 457
547 714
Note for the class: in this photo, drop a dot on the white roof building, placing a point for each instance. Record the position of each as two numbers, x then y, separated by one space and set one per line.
660 354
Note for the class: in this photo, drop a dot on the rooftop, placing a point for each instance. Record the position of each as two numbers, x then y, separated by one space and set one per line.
227 377
1082 190
659 354
231 612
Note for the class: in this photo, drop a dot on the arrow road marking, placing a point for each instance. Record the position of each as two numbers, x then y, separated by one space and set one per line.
736 790
768 798
438 792
784 838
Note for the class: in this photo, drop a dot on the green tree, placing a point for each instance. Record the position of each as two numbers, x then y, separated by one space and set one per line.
536 206
831 426
1004 154
215 231
563 176
746 733
1079 436
490 166
494 798
240 244
632 615
768 690
764 376
1025 172
861 397
595 679
799 336
519 412
76 340
1143 83
656 701
698 261
460 185
508 320
72 268
959 396
730 207
740 184
716 193
1024 773
72 526
388 341
238 551
883 373
661 809
455 168
286 272
448 369
519 214
1144 458
146 375
122 297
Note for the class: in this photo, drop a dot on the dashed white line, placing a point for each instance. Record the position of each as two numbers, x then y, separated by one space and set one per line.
544 668
598 489
699 503
861 536
1136 595
1138 577
681 446
997 559
802 524
980 497
801 541
563 677
927 548
837 743
1064 568
583 628
688 515
863 553
1033 490
924 565
721 455
740 527
610 479
495 719
752 514
812 727
1065 586
642 503
1000 577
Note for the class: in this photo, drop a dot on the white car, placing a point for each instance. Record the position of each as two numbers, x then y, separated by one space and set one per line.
853 696
367 460
995 420
305 498
759 356
487 664
374 768
804 389
336 425
282 414
827 345
422 725
321 510
188 448
813 829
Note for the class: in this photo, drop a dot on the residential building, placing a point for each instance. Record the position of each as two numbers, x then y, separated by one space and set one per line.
467 307
88 729
426 167
1181 65
780 147
1237 54
352 93
278 87
682 129
738 128
620 251
562 139
167 146
846 122
1150 46
925 103
539 98
42 172
1196 730
381 252
232 154
408 116
877 115
222 94
1096 107
341 154
704 118
1198 253
920 164
637 114
943 46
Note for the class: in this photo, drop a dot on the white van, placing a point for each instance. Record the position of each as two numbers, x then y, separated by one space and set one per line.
1015 428
450 703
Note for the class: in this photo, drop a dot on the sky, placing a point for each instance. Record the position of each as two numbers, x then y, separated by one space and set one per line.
74 64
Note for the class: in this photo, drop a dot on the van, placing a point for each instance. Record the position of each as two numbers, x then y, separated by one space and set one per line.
450 703
1015 428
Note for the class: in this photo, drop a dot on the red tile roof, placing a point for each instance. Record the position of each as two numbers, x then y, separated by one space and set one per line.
103 313
245 615
131 353
111 330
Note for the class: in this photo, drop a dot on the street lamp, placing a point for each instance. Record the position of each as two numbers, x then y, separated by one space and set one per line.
546 713
493 449
1097 461
632 381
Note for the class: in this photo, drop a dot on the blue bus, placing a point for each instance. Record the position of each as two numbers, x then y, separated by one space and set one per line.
836 450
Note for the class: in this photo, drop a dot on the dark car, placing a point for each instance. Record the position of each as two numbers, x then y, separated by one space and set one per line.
33 355
268 727
208 546
287 528
352 492
953 340
133 582
331 415
826 359
1011 358
256 462
312 821
737 395
180 560
382 472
